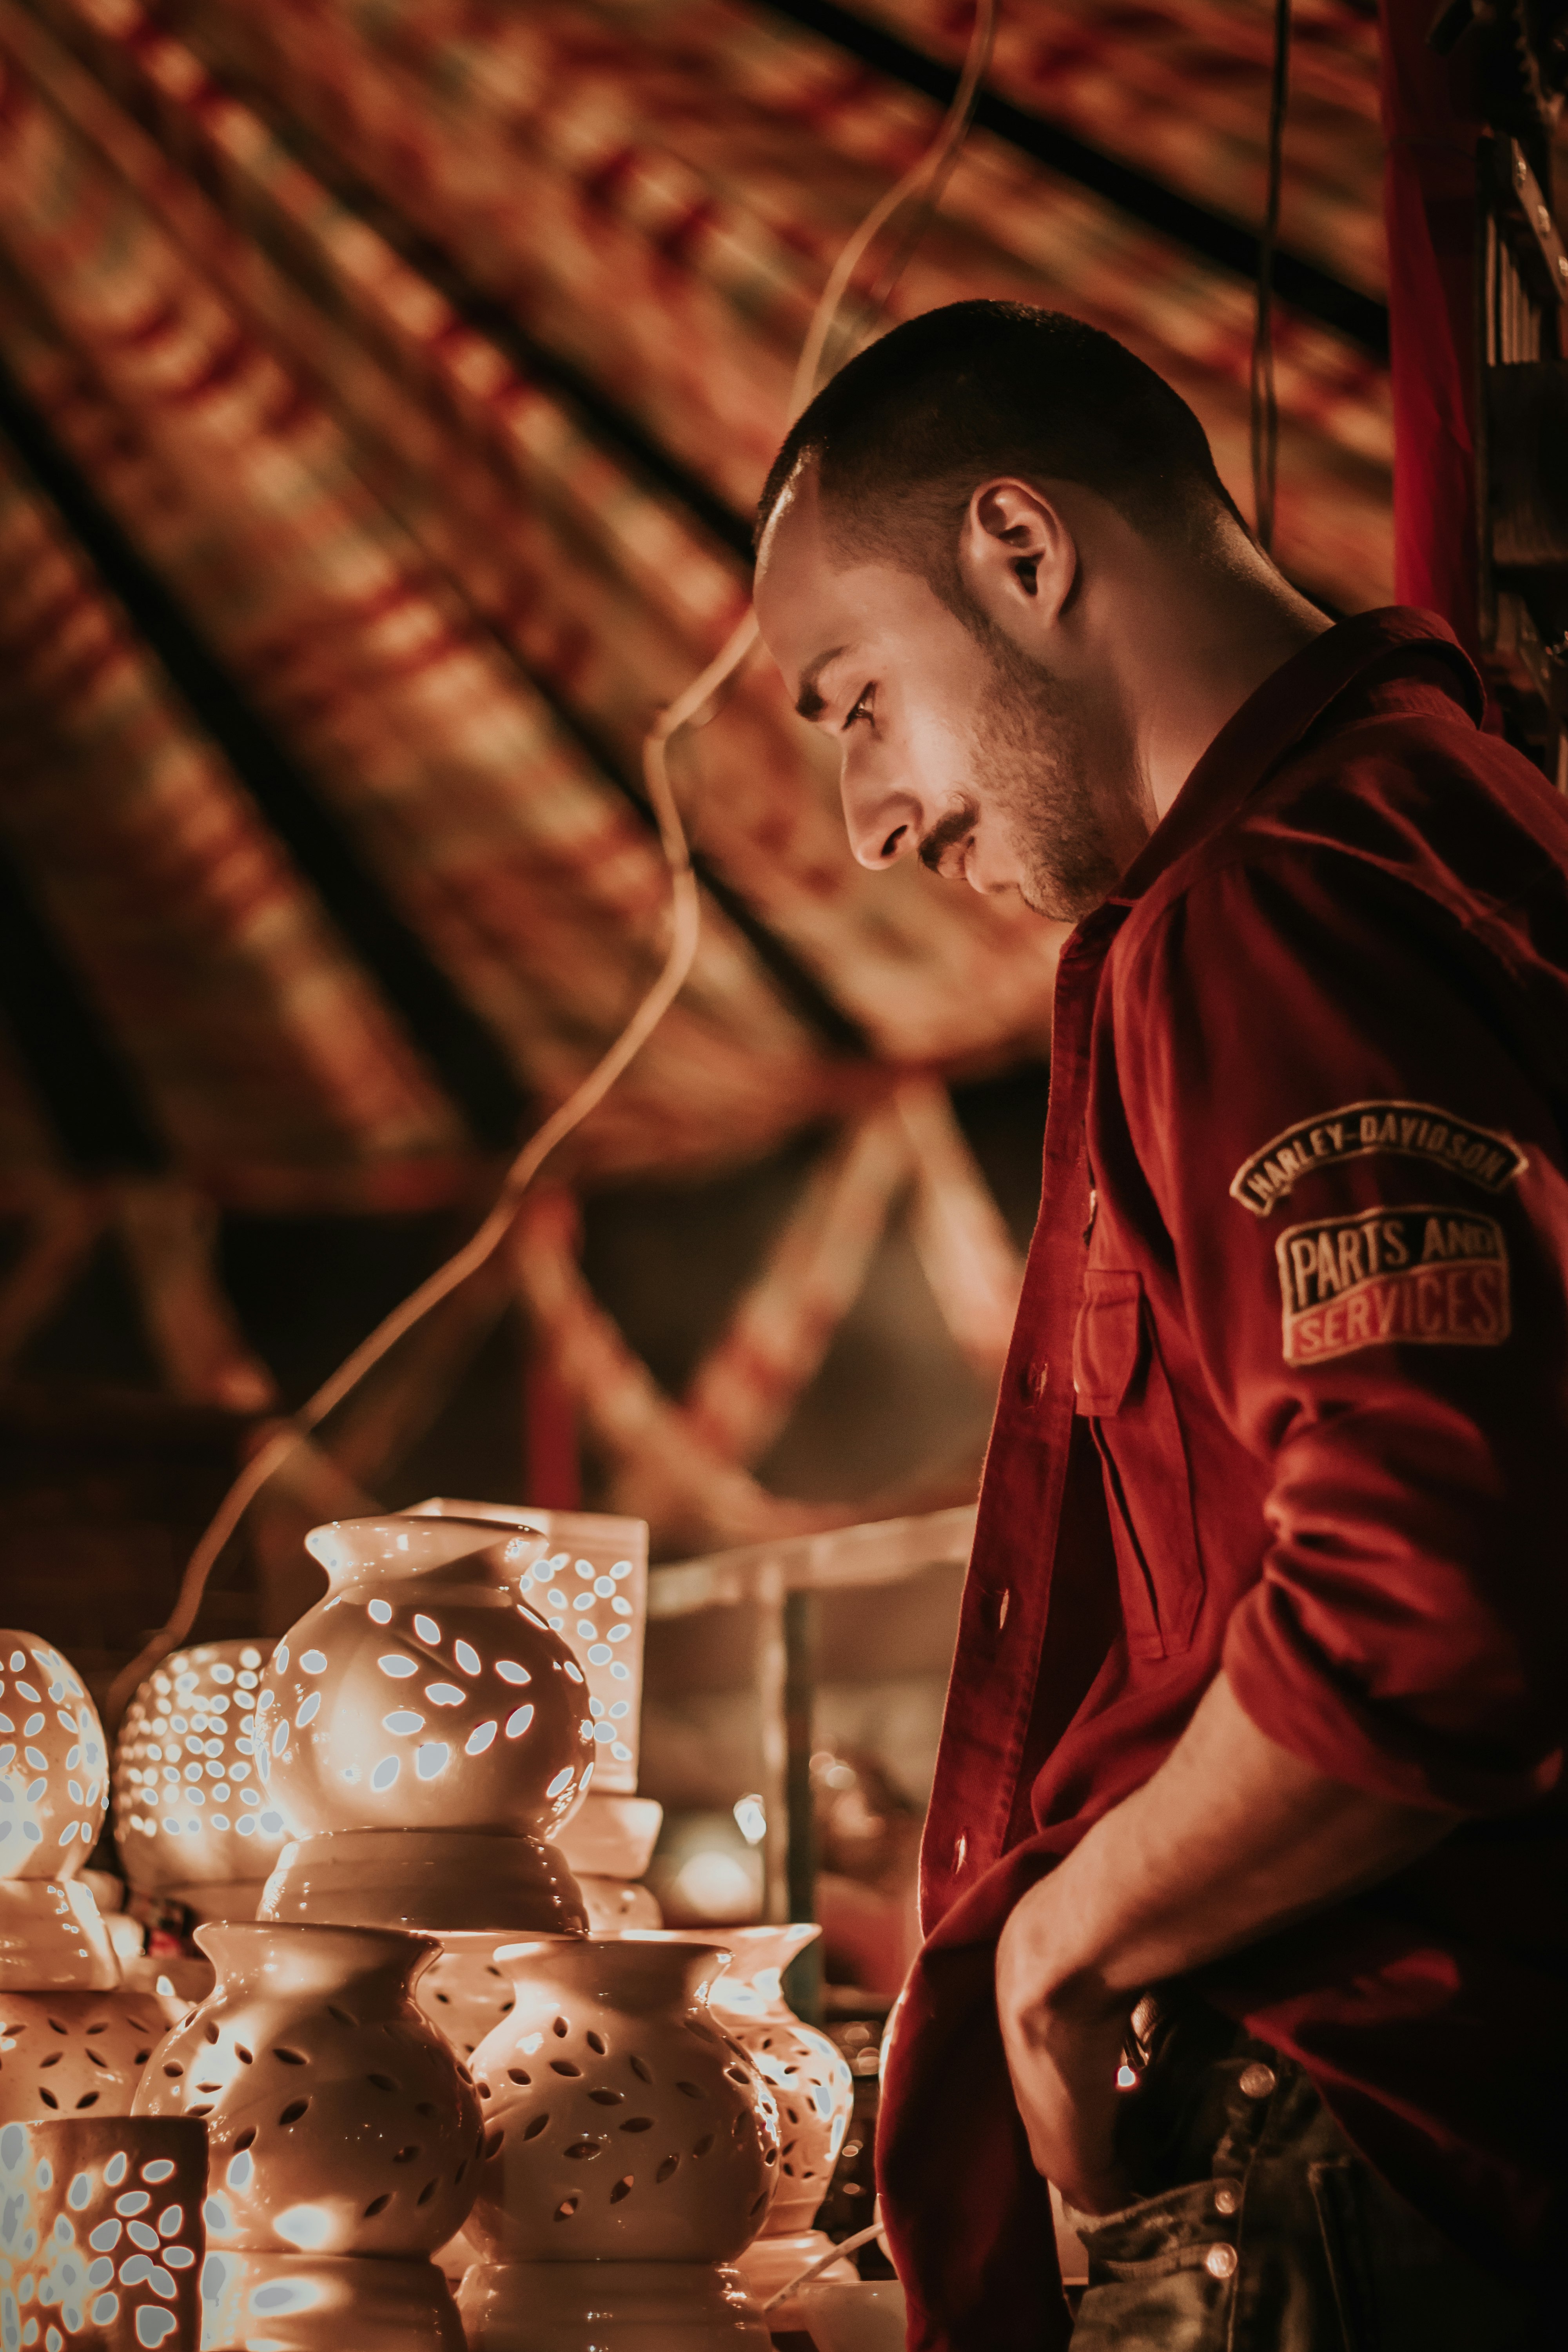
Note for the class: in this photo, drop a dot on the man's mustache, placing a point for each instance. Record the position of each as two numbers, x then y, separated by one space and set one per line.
954 827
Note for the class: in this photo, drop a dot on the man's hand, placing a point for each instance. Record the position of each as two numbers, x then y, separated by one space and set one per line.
1232 1838
1063 2054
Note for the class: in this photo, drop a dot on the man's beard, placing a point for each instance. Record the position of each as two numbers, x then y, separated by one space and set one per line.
1034 758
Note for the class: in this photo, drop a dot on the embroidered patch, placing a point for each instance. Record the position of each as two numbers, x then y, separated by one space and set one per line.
1419 1131
1423 1276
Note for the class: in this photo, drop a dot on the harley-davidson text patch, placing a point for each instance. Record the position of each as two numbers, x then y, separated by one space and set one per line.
1419 1131
1420 1275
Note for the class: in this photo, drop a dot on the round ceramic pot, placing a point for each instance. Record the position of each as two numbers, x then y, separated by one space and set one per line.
67 2053
54 1763
339 2122
586 1575
191 1815
100 2233
422 1731
807 2074
621 2123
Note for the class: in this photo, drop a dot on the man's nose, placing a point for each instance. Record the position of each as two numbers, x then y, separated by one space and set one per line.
883 821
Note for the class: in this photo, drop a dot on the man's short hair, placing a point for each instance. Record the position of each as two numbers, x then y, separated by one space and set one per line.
902 435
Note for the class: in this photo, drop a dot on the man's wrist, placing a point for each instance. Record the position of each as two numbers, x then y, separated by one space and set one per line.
1049 1969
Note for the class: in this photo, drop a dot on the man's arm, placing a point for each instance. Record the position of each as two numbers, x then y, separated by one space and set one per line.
1232 1837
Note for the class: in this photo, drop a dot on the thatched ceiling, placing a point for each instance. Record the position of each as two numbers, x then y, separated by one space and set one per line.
384 386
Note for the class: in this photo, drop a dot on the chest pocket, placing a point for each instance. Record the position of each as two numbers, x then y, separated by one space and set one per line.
1123 1388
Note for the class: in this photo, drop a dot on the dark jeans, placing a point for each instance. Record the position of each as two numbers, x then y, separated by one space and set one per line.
1266 2233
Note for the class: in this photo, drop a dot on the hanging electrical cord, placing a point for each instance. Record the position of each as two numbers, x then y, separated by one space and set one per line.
698 702
1264 403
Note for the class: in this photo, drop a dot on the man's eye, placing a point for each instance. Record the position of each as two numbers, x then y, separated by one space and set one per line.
863 709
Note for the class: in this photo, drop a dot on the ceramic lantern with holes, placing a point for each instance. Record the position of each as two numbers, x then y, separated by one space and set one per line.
422 1732
191 1817
344 2138
54 1793
68 2054
810 2080
586 1574
630 2152
100 2235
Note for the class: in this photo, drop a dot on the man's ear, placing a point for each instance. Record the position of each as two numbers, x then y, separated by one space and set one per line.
1016 557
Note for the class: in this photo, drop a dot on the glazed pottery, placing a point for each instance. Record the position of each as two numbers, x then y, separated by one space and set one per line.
101 2234
191 1816
608 1843
586 1574
54 1793
422 1732
65 2053
809 2076
627 2141
814 2091
339 2122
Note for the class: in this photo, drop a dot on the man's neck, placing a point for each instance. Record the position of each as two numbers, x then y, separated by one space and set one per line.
1197 658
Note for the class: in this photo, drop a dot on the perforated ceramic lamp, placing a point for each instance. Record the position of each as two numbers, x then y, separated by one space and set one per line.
630 2152
344 2139
69 2053
586 1574
54 1793
191 1816
100 2235
423 1732
810 2080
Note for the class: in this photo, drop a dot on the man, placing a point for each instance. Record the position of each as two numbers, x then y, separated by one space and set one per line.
1250 1772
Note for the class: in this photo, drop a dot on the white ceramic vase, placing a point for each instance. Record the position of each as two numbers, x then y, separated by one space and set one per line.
630 2152
192 1817
54 1793
423 1732
814 2091
344 2139
101 2234
73 2053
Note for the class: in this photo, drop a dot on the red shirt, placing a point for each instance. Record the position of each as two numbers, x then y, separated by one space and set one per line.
1287 1390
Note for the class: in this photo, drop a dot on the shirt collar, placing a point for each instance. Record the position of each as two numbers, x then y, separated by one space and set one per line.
1274 719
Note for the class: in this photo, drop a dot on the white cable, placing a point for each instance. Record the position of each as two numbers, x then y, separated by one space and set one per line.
823 2261
925 176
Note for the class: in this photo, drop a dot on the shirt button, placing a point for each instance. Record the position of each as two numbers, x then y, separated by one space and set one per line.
1256 2081
1226 2197
1220 2262
960 1850
1002 1608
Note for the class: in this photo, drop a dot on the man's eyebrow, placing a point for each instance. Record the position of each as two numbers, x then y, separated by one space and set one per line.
808 702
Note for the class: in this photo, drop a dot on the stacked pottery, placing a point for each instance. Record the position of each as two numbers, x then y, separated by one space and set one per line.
344 2140
422 1731
73 2040
586 1574
101 2234
192 1818
814 2091
630 2155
